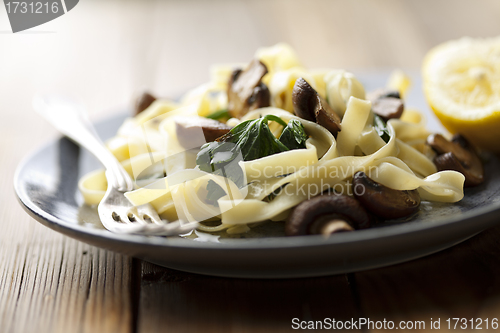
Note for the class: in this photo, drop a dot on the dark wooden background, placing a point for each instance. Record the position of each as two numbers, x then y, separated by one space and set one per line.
108 51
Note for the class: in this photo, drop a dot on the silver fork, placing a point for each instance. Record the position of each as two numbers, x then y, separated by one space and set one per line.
116 212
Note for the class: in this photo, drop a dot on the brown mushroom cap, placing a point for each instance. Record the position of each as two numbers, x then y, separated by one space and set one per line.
382 93
383 201
189 130
386 103
457 155
313 215
309 105
388 108
143 102
246 91
304 99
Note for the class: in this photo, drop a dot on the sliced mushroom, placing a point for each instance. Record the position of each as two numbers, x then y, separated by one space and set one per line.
195 131
309 105
382 93
383 201
326 117
387 103
246 91
457 155
304 99
326 214
388 108
143 102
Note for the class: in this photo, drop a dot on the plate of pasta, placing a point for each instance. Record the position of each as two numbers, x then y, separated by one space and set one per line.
287 172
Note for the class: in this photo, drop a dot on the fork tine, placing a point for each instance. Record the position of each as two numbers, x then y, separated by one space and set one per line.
137 218
176 228
156 219
124 217
151 213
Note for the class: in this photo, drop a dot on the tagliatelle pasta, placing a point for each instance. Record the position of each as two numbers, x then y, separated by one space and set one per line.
168 177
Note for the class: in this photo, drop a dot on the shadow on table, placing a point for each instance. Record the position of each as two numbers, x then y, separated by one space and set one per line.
459 282
179 300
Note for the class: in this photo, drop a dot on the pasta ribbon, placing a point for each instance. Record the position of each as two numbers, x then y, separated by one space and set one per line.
167 176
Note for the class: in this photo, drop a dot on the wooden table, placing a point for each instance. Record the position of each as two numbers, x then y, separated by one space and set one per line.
107 52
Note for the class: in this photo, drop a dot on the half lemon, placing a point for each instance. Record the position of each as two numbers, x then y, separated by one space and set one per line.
462 86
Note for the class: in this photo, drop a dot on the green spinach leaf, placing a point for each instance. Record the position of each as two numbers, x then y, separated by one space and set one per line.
249 140
252 138
215 192
220 114
255 139
381 128
294 135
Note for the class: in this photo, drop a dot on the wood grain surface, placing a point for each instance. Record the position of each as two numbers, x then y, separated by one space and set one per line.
105 52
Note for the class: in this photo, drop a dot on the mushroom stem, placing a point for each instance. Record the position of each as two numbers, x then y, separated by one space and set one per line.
326 214
335 226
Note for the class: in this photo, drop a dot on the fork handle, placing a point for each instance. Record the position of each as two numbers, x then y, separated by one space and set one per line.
71 119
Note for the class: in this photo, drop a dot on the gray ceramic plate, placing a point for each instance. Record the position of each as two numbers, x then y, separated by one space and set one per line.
46 185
